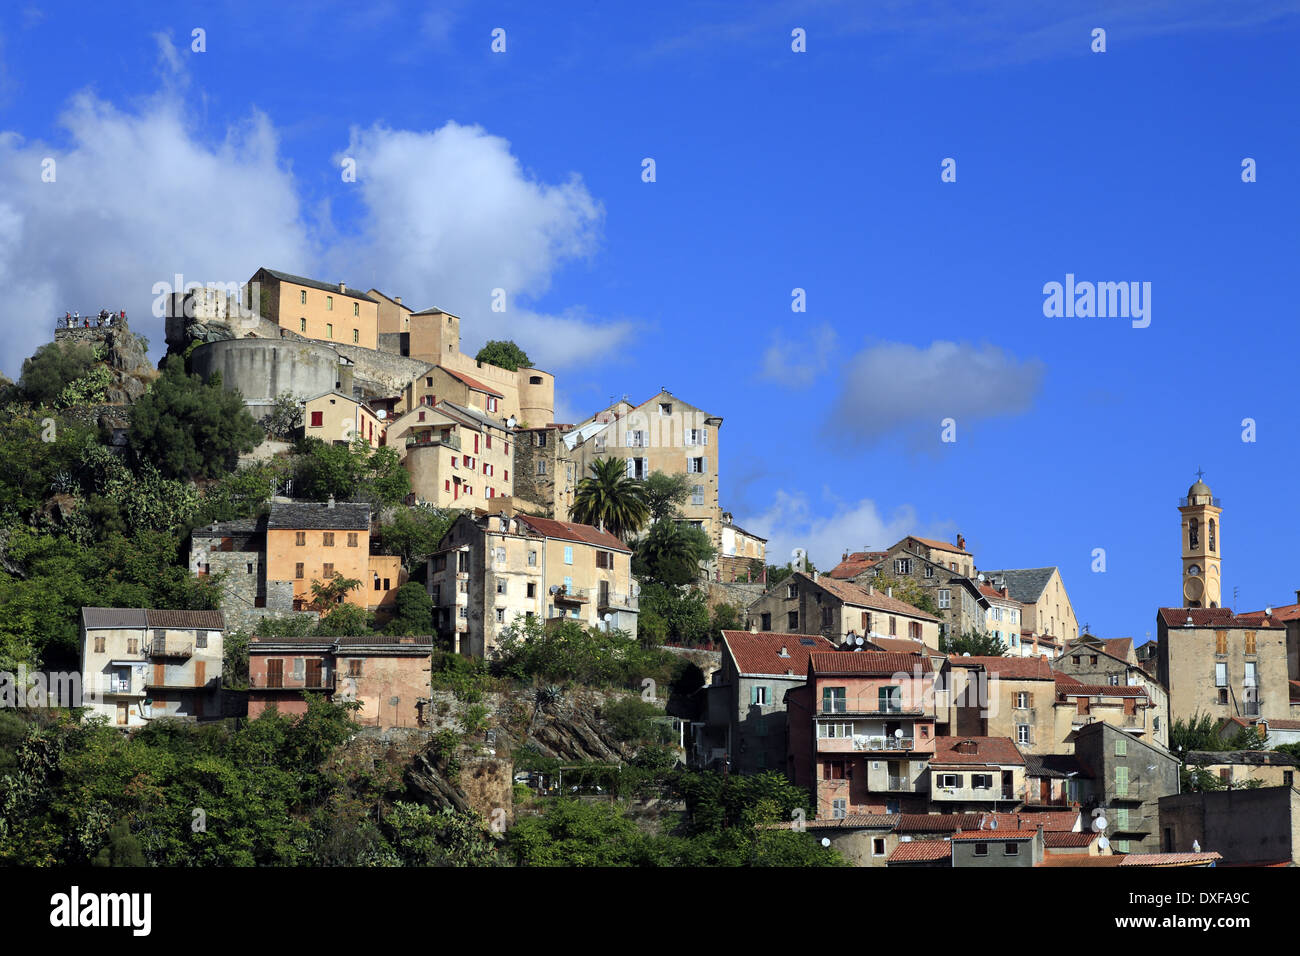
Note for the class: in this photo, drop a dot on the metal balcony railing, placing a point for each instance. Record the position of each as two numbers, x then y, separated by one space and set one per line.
323 682
883 743
616 599
161 647
450 441
899 783
573 595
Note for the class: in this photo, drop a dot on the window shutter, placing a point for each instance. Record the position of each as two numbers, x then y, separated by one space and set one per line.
753 695
629 467
1031 699
704 466
704 436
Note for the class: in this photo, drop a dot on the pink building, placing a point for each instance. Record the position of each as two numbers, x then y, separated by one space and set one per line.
862 731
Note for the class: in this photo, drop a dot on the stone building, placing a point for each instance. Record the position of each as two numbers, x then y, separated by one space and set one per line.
1003 697
490 570
141 664
1114 663
1129 776
1245 768
1213 662
1125 707
972 773
546 474
838 610
1258 827
339 419
330 312
743 555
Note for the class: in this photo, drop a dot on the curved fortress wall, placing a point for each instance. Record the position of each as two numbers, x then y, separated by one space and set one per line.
261 369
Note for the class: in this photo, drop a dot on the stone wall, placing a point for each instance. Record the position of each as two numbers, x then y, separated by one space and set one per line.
261 369
740 594
384 372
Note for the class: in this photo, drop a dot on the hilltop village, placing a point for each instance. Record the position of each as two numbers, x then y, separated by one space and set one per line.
541 616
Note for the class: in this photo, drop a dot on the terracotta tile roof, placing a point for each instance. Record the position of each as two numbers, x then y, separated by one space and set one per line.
1008 668
1078 859
997 595
1170 859
1121 647
921 851
1053 821
1289 612
1067 680
990 835
333 287
471 382
989 750
899 645
854 821
941 545
878 600
868 663
1099 690
760 654
1217 617
1057 838
205 620
1281 724
856 563
570 531
936 822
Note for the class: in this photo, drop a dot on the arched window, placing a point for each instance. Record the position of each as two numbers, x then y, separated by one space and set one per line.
1193 533
1211 534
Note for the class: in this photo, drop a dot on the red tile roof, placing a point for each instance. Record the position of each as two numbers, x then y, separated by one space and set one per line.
868 663
1217 617
1121 647
1078 859
570 531
471 382
761 653
936 822
1100 690
941 545
1066 680
854 594
1058 838
989 750
1053 821
856 563
992 592
989 835
899 645
1289 612
1170 859
1008 668
921 851
1280 724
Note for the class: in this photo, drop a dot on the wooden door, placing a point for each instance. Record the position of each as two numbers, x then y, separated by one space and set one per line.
200 673
159 675
275 673
313 674
123 709
1045 791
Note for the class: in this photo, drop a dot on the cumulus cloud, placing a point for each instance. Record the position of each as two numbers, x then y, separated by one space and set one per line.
834 527
895 386
136 197
797 364
452 216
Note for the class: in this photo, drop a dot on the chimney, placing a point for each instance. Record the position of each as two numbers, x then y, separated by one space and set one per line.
397 299
961 543
846 557
753 627
814 577
889 591
1297 595
330 503
871 589
342 287
784 652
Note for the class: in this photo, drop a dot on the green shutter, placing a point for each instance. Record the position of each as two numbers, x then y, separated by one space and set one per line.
1121 747
1121 781
753 694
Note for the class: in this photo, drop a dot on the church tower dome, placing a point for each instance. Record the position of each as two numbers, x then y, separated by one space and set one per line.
1201 557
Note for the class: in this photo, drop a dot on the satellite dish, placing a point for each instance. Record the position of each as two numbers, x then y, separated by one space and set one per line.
1103 843
381 414
555 588
993 824
858 641
1099 824
898 734
607 618
826 841
965 653
981 575
510 422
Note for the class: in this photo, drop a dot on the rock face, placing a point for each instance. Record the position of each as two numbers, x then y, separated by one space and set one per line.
568 730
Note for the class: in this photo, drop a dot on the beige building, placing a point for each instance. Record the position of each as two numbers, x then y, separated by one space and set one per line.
662 434
1114 663
1200 513
1125 707
457 457
839 611
743 555
1239 769
336 419
1046 608
1215 663
141 664
1003 697
492 570
330 312
1003 619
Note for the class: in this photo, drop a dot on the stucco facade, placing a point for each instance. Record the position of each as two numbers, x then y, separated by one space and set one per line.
813 604
324 311
455 456
338 419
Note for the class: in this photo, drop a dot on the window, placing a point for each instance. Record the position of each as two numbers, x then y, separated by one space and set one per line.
99 644
791 591
356 308
541 467
1121 781
914 630
945 599
1221 674
665 408
354 668
1249 680
1121 818
300 538
1022 734
792 621
1288 777
835 700
302 297
902 565
201 639
531 590
758 695
328 570
839 809
532 559
1114 680
133 645
1211 534
1011 849
828 616
1121 747
1220 642
329 330
981 849
834 731
297 570
329 303
356 335
317 419
1223 695
981 781
697 466
893 626
697 494
889 700
605 559
501 615
568 554
950 781
352 539
1022 700
491 404
1250 642
501 586
836 770
878 846
302 325
767 621
327 539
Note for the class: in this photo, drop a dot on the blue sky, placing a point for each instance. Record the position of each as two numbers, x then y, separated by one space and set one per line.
775 170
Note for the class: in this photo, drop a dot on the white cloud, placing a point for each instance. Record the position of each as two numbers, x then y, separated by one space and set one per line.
798 364
838 526
137 197
894 386
452 216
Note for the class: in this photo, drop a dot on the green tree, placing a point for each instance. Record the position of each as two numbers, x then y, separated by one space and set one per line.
574 833
54 366
414 611
679 615
326 594
665 494
414 533
670 553
344 620
907 591
350 472
1197 732
610 500
285 417
503 354
123 848
975 644
191 429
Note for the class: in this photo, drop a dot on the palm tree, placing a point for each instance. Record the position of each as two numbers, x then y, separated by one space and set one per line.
610 500
671 552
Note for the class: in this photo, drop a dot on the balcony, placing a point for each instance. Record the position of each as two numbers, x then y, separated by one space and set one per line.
120 686
326 683
567 595
860 743
900 784
161 647
617 601
450 441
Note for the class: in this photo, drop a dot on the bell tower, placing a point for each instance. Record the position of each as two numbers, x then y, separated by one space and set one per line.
1200 535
